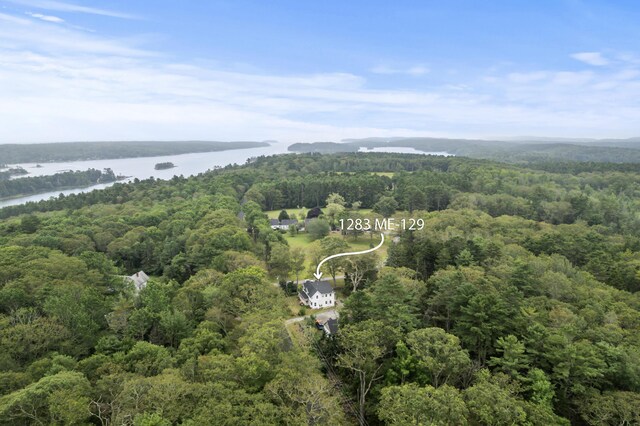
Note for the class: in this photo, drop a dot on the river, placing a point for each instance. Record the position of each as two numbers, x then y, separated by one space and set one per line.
143 168
403 150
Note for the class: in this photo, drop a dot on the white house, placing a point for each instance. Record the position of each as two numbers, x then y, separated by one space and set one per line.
283 224
317 294
139 280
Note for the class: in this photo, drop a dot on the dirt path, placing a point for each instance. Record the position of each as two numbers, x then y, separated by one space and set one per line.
322 316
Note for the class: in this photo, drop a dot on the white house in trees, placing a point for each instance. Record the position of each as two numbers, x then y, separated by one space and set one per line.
283 224
139 280
317 294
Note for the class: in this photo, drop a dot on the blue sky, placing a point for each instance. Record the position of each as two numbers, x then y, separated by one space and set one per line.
308 71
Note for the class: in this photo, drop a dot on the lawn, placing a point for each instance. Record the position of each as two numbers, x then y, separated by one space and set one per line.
302 213
297 335
387 174
293 303
273 214
301 241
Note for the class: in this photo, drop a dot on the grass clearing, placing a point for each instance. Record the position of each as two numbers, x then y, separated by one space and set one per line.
301 213
387 174
273 214
302 241
293 303
297 335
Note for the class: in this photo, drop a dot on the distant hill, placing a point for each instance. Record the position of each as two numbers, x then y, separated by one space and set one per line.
604 150
77 151
323 147
531 153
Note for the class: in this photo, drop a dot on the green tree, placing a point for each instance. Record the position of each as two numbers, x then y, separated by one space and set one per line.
255 218
318 228
513 360
29 224
150 419
333 211
173 326
280 261
330 246
540 388
438 355
364 346
358 267
335 198
484 318
414 198
246 290
612 408
413 405
60 398
492 401
80 309
227 404
147 359
304 393
386 206
297 263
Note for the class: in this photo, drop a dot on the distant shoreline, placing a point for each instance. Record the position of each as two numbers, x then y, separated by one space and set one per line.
63 188
89 151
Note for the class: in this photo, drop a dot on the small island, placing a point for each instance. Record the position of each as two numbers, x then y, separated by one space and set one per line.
164 166
6 174
24 186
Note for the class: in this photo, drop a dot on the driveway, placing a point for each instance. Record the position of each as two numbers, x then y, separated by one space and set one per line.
321 316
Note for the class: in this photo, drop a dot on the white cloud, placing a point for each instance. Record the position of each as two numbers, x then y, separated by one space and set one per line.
70 7
48 18
28 35
527 77
591 58
416 70
62 84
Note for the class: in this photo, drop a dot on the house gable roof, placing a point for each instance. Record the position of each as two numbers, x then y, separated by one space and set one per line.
331 326
313 287
139 278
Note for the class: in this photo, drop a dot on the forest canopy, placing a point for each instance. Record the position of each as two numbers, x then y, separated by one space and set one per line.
518 303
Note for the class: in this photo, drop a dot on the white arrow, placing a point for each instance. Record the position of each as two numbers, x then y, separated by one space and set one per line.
318 274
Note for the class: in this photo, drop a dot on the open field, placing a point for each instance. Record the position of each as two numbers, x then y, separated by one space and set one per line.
302 242
363 242
387 174
273 214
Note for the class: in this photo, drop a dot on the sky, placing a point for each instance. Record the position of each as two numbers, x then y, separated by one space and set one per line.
303 71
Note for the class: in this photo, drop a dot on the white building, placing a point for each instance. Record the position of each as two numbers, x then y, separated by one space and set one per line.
317 294
139 280
283 224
